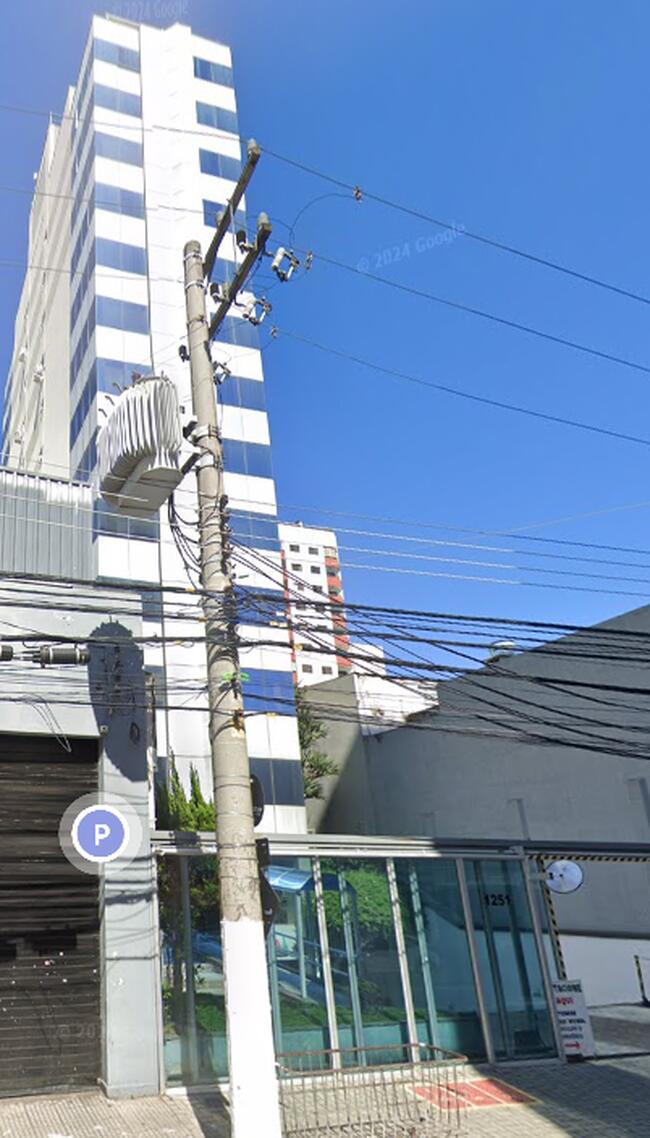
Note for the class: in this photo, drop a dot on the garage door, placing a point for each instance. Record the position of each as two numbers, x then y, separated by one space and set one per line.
49 945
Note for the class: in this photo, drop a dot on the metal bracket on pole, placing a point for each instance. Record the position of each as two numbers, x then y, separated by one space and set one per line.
225 218
231 290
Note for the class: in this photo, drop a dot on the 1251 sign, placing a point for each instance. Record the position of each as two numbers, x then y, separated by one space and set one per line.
496 898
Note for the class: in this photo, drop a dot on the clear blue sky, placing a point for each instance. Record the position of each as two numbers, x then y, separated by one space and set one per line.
525 122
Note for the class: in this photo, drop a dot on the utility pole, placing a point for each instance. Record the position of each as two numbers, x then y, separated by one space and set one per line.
254 1098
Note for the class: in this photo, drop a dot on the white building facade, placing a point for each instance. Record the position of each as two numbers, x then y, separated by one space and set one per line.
314 594
146 154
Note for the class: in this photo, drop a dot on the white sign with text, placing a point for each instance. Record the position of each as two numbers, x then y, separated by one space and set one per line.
575 1026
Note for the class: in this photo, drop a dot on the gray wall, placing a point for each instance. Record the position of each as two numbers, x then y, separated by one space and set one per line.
509 757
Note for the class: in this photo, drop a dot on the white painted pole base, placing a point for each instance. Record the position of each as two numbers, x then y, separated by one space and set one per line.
254 1096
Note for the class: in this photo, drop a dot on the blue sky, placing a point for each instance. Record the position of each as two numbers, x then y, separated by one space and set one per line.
525 122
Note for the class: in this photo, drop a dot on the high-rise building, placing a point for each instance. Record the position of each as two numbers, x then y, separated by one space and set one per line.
314 594
145 154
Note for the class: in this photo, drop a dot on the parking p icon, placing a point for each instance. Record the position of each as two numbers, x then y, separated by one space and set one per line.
100 833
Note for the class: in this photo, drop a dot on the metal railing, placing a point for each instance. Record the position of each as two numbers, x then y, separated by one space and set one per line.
397 1091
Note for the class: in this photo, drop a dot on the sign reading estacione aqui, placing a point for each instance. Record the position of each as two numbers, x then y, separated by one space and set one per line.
575 1027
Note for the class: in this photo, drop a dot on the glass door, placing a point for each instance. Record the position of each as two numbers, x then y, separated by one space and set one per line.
508 960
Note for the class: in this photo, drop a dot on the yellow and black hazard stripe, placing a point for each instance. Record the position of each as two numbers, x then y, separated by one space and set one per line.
630 858
554 928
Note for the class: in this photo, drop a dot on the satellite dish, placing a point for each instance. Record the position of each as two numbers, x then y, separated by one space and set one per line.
564 876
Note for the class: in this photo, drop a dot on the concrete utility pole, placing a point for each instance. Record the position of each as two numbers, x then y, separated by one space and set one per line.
253 1083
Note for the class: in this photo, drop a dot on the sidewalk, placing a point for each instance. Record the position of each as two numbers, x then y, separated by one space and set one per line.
91 1115
607 1099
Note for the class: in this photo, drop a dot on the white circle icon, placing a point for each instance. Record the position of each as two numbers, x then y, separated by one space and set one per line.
100 833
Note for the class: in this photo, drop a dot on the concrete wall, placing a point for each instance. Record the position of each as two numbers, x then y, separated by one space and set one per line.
509 755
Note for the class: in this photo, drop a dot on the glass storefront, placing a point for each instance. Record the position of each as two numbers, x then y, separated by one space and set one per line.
366 953
509 960
440 966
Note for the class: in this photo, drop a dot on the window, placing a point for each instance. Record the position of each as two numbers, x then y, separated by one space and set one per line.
114 53
211 209
247 458
318 588
122 314
118 149
83 405
235 330
313 551
307 668
327 671
207 115
114 254
315 569
110 372
254 529
267 690
213 72
82 288
294 548
82 345
113 99
87 462
295 565
221 166
246 393
117 200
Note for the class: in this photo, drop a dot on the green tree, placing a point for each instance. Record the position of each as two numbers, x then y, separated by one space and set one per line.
316 764
175 811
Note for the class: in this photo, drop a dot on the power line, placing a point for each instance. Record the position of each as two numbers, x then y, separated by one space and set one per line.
353 189
472 235
396 373
458 306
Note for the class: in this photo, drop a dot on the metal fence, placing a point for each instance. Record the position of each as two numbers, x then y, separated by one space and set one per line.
372 1092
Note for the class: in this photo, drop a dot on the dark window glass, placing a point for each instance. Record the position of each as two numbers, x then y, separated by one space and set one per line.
115 53
83 405
254 530
313 550
113 99
238 392
235 330
247 458
117 200
122 314
116 255
287 782
267 690
213 72
217 117
262 768
82 346
82 287
108 521
210 208
222 166
87 462
119 149
111 372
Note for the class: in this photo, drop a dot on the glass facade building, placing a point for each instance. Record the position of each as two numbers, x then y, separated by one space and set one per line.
369 953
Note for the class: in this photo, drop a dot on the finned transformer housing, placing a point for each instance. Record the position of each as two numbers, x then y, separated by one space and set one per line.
138 447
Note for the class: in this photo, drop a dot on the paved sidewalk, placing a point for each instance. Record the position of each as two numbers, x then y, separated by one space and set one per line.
607 1099
91 1115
